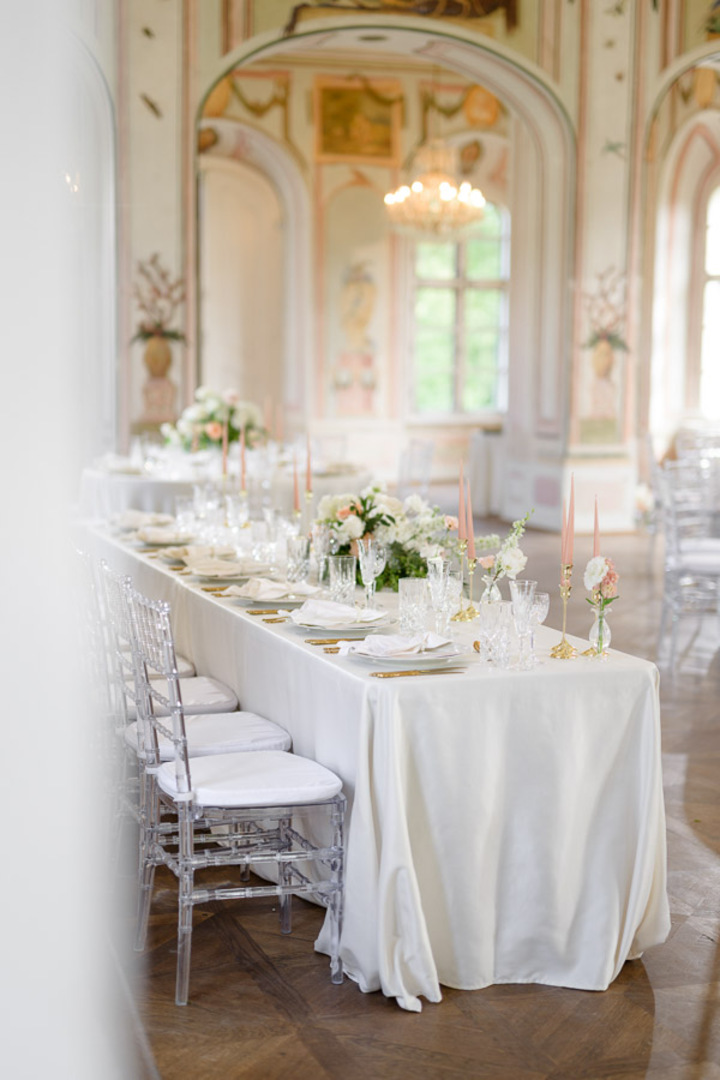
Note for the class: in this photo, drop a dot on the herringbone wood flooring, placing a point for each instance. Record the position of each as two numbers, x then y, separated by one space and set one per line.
262 1005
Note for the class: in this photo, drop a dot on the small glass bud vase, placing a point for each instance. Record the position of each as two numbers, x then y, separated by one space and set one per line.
491 593
600 634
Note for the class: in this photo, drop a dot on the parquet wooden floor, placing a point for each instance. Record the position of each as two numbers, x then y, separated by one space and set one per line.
263 1008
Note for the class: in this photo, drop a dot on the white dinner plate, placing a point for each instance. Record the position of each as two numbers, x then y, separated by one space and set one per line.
366 626
431 658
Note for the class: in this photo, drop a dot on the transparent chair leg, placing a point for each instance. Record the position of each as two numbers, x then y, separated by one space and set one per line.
185 912
150 818
285 877
336 899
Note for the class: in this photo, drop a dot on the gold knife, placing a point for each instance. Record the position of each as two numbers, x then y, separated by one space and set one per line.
264 611
426 671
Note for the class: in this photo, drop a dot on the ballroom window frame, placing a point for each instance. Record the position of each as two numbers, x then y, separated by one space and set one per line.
461 285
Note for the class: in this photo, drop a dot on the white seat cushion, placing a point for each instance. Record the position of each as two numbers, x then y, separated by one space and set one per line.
221 733
200 694
267 778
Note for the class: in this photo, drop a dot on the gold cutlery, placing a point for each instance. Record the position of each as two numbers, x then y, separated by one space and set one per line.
332 648
426 671
264 611
283 618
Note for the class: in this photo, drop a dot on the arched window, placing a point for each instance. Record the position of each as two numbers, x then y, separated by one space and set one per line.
459 335
708 380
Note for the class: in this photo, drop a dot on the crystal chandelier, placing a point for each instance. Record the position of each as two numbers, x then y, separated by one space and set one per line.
434 202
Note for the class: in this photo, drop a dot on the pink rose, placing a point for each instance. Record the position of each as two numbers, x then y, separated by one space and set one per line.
343 512
214 430
487 562
451 522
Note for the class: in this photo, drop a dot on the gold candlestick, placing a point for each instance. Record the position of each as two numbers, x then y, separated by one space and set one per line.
564 650
459 615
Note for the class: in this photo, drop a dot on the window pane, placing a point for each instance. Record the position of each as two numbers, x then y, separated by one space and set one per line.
434 356
482 308
482 361
710 369
437 261
484 257
712 235
435 307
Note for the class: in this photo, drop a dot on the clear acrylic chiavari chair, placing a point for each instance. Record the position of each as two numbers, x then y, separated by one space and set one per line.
275 811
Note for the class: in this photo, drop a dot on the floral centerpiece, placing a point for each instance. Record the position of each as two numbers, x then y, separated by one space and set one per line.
202 424
508 562
411 530
600 580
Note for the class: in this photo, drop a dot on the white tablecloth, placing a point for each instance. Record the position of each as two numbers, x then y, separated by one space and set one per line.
103 493
504 827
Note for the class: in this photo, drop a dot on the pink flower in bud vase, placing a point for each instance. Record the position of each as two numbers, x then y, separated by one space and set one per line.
214 430
608 585
487 562
451 522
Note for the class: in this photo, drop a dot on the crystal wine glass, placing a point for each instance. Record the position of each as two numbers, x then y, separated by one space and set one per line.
540 609
372 557
438 570
523 596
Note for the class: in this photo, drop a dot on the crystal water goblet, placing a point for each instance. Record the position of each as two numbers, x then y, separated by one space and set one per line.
412 602
523 596
372 557
298 558
342 573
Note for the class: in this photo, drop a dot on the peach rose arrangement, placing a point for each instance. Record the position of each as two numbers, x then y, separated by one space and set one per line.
201 424
411 529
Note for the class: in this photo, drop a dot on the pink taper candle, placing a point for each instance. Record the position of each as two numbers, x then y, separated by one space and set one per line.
243 477
461 507
470 527
596 537
563 536
571 522
308 471
296 486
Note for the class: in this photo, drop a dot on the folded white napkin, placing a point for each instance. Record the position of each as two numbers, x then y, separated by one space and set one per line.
195 552
395 645
329 614
138 519
260 588
160 534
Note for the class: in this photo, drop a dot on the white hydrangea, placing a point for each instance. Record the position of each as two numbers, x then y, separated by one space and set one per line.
330 504
196 414
595 571
352 528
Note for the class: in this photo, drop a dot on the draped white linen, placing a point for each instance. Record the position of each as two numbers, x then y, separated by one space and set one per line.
504 827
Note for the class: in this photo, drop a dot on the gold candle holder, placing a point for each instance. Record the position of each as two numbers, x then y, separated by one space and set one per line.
459 615
564 650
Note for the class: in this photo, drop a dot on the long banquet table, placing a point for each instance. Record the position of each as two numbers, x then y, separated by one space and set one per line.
504 826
